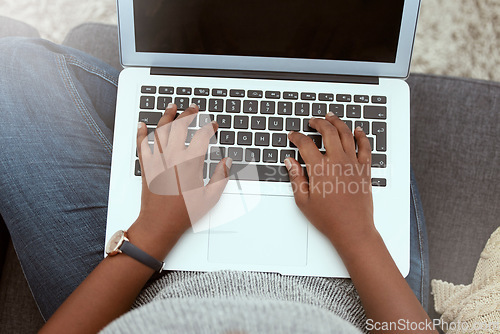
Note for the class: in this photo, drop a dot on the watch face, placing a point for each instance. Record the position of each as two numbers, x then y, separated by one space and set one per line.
114 243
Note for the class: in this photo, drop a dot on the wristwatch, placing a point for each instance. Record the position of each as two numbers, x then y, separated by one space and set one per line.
119 243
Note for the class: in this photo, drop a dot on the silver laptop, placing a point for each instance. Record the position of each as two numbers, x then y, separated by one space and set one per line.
260 69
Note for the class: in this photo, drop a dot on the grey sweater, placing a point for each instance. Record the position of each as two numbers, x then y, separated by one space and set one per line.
243 302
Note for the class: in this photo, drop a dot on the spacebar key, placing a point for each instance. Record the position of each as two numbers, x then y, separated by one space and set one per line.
270 173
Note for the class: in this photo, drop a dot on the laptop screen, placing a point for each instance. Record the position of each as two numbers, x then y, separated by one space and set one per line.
353 30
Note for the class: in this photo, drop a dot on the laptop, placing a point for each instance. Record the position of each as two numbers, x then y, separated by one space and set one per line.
260 69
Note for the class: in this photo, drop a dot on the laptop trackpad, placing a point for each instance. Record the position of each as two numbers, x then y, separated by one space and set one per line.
256 229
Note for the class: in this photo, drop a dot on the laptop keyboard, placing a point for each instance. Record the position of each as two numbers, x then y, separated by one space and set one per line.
253 124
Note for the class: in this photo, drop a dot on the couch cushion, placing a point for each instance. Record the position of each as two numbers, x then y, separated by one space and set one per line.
455 153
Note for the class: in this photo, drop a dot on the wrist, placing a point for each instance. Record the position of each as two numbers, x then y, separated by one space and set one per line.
357 243
153 238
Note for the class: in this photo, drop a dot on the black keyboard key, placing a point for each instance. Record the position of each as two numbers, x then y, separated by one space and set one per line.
201 103
244 138
137 168
166 90
226 138
290 95
379 129
150 118
233 106
364 125
273 94
205 119
252 155
270 156
151 134
163 102
269 173
379 161
325 97
286 154
190 135
284 108
308 96
237 93
292 124
258 123
306 127
379 99
217 153
182 103
275 124
201 91
205 170
184 91
353 111
216 105
376 182
337 109
301 109
361 98
250 106
349 124
261 139
279 140
344 98
148 89
235 153
147 102
375 112
193 122
370 139
319 109
224 121
241 122
219 92
267 107
316 139
255 93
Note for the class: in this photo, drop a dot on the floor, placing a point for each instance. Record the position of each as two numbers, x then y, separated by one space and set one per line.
454 37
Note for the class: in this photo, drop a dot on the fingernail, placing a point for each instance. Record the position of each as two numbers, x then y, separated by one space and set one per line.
139 125
170 105
229 163
358 128
329 114
290 133
214 122
288 164
193 105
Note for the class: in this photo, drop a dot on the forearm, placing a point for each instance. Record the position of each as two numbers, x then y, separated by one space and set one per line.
110 290
384 293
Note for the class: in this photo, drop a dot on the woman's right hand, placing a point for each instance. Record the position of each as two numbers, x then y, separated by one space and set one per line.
337 197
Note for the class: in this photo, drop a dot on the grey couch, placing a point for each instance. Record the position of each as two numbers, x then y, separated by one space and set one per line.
454 152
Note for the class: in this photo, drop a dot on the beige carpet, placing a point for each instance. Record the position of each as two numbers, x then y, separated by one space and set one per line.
454 37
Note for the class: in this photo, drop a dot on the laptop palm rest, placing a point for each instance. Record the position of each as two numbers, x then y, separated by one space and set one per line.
257 229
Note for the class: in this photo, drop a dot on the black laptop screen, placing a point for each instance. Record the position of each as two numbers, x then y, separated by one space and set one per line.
353 30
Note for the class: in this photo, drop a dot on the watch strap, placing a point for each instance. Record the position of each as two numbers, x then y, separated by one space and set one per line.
141 256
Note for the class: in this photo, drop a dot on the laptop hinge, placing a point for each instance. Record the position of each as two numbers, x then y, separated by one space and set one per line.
267 75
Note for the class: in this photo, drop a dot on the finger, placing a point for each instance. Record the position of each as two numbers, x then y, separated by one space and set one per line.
178 132
345 134
218 181
162 131
298 180
364 147
199 144
329 133
143 150
308 150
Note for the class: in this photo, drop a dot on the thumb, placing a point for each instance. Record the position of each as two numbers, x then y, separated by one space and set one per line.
300 186
218 181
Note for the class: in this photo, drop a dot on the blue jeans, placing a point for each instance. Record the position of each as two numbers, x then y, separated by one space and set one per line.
57 109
